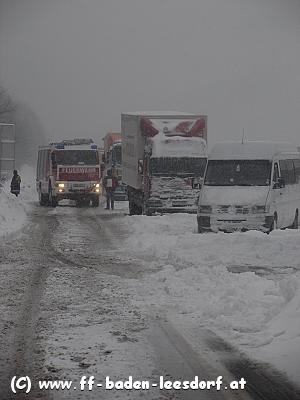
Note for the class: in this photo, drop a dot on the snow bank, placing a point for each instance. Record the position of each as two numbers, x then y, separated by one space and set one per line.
14 210
244 286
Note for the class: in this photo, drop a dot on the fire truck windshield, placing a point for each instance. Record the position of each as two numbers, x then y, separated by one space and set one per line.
76 157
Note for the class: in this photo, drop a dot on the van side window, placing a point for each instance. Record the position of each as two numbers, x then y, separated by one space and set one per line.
291 172
275 173
284 171
297 169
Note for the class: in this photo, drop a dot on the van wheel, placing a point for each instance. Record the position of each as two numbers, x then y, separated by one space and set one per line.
273 226
295 224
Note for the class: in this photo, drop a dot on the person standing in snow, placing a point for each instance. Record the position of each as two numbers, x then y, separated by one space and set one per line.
15 183
110 184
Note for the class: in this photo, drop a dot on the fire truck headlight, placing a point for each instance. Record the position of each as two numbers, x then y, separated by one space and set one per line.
61 185
97 185
97 190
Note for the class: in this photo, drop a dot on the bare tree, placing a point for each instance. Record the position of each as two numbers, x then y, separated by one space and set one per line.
7 107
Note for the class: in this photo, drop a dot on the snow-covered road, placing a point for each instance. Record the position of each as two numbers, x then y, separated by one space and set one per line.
90 292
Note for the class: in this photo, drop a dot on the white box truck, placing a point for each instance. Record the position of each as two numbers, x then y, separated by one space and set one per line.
164 156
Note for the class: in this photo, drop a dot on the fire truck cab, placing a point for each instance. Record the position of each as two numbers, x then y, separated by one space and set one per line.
69 169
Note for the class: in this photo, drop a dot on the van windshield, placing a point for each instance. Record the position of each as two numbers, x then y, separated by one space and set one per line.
192 166
238 173
76 157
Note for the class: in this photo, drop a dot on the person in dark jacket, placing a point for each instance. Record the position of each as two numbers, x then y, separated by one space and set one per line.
110 183
15 183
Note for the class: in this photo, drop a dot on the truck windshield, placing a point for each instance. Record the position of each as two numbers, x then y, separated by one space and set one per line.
177 166
238 173
76 157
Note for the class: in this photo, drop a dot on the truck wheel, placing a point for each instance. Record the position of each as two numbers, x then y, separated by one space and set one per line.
95 202
139 210
132 208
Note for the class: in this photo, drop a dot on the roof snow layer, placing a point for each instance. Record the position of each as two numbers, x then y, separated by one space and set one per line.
252 150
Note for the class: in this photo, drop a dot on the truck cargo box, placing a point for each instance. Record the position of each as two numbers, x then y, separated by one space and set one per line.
136 127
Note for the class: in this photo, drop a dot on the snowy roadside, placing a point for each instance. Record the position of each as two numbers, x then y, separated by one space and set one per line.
14 210
243 286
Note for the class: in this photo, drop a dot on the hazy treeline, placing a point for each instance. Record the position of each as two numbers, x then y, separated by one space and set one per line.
29 131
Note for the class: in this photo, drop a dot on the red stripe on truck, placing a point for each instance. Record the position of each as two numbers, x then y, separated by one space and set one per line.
78 174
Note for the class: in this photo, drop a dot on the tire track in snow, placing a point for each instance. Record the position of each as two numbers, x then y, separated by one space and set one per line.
180 360
26 353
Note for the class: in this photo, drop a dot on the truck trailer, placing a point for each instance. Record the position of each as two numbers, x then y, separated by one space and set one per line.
163 157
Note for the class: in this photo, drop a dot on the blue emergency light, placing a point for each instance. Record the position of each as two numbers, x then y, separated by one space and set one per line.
60 146
94 147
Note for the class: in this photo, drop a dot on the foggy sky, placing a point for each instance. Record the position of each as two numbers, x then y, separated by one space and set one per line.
79 63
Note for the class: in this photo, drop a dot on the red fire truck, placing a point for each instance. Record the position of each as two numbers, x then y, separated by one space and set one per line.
69 169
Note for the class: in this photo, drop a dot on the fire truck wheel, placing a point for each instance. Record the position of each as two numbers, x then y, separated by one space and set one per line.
79 203
95 202
43 198
52 200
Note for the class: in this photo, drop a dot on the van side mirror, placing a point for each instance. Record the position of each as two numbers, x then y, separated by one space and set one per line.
140 167
279 184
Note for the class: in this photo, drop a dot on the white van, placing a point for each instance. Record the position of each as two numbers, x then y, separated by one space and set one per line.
250 185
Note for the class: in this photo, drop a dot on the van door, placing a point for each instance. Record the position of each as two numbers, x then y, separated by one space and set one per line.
278 202
293 189
284 196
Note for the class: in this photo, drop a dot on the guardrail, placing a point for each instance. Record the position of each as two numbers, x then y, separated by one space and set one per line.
7 150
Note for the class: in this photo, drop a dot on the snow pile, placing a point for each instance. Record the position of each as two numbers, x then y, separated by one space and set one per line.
14 210
244 286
